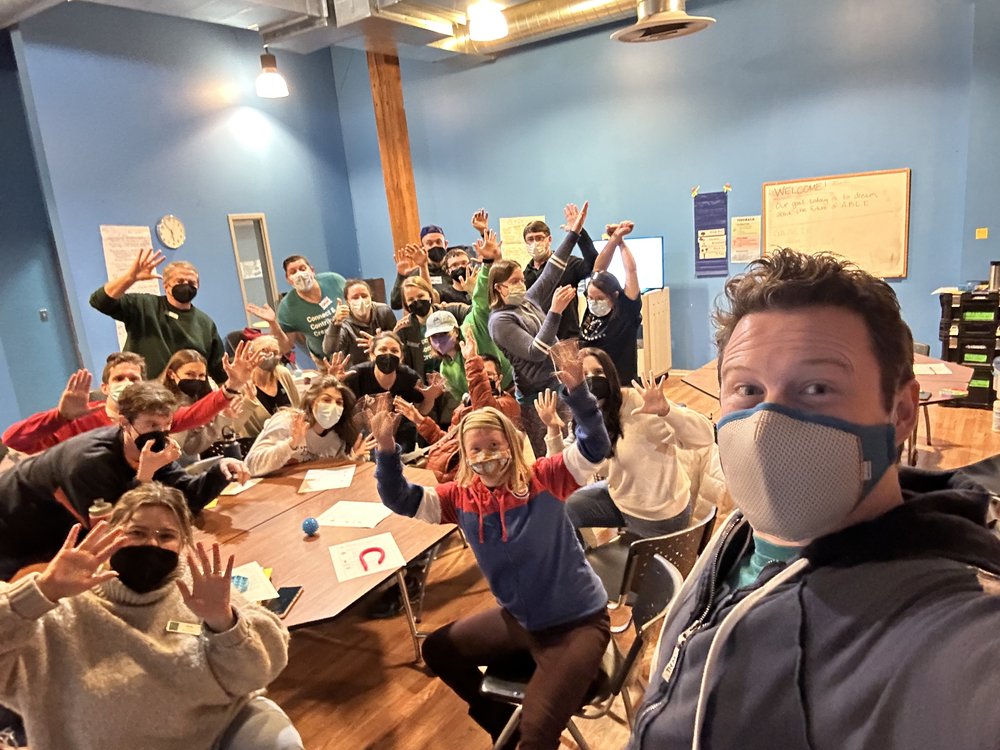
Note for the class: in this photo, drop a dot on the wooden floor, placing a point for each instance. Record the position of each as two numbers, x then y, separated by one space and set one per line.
352 685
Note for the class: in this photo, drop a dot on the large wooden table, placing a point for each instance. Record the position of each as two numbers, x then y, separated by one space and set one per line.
264 524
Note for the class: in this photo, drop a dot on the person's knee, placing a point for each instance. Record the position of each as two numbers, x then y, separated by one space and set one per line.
261 725
438 649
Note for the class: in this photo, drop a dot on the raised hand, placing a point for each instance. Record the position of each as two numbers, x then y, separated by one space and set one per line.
237 405
151 461
241 367
407 409
435 383
363 446
74 569
75 400
418 254
620 230
488 248
562 297
384 425
469 347
336 365
571 213
299 430
653 400
405 264
144 266
480 220
211 583
365 339
575 218
264 312
571 374
546 405
404 322
341 313
468 284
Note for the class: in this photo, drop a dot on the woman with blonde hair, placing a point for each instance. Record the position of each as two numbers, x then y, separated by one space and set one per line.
420 299
135 638
551 603
271 387
322 427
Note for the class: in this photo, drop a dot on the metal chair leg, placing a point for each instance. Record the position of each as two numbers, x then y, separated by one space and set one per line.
508 730
629 711
410 621
927 424
574 731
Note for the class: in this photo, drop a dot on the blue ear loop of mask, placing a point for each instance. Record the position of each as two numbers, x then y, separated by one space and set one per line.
878 441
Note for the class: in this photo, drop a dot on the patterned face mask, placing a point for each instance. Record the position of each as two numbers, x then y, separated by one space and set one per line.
488 463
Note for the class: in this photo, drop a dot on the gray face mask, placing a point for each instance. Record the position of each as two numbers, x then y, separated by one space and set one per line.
797 476
268 363
516 294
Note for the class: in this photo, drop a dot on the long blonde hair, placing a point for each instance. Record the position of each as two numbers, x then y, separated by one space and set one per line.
517 475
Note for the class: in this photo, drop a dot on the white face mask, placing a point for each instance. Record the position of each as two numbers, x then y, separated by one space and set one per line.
360 306
599 307
516 294
327 415
797 476
303 280
111 405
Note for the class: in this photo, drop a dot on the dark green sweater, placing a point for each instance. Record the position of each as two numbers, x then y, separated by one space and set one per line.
156 330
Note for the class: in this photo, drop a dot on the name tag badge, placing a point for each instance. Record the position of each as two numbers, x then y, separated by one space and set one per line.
325 302
436 280
172 314
188 628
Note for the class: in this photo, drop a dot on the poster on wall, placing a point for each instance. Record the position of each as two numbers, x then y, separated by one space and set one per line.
512 237
121 246
711 215
745 240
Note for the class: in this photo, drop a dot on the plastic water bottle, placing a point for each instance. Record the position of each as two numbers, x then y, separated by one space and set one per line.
230 445
100 510
996 416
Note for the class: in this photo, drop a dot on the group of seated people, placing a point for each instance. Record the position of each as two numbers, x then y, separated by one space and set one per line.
827 611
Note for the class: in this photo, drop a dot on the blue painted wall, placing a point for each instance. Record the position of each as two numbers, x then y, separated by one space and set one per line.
982 198
777 89
35 356
138 115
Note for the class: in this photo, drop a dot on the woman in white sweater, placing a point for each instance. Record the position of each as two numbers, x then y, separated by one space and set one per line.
322 427
121 642
663 456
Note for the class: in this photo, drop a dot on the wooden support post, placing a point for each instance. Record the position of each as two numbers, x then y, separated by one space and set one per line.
394 147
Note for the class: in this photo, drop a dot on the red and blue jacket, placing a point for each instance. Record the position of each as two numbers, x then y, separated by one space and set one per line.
525 545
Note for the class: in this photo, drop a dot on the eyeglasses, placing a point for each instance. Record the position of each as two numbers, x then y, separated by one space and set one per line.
142 535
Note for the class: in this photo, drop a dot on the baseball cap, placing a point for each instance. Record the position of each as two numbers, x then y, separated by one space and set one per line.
430 229
440 321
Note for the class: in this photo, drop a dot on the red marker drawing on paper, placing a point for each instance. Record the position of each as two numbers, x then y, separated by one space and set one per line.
381 556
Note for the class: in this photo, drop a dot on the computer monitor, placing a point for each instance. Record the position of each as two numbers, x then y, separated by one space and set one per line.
648 253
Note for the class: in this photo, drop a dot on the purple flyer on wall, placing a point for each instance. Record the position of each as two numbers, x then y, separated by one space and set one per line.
711 217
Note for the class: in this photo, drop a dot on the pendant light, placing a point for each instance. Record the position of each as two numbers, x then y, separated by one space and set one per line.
270 83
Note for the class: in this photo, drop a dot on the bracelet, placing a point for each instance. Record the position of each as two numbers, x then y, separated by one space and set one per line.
230 391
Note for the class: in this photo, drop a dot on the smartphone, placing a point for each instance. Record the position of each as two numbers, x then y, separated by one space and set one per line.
287 596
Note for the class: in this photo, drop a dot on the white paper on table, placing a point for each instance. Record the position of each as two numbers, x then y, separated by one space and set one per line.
362 557
923 369
258 586
317 480
939 369
235 488
354 514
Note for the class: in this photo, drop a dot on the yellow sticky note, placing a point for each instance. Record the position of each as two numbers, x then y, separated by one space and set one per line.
267 572
982 233
211 504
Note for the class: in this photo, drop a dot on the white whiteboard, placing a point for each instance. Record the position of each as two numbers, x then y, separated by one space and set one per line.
861 217
648 254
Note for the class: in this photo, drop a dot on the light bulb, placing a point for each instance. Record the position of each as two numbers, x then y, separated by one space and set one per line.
270 83
486 21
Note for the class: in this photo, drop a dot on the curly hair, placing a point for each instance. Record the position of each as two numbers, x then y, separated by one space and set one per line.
346 428
790 280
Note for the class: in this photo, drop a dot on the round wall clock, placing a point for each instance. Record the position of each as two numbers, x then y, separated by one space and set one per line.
170 230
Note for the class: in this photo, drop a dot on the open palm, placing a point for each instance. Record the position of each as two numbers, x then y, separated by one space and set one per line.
74 569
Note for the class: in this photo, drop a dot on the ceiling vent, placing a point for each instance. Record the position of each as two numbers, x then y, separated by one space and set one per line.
662 19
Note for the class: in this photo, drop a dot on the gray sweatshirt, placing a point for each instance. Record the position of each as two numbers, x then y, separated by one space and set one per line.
525 333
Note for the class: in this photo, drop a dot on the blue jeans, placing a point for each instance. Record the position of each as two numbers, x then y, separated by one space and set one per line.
592 507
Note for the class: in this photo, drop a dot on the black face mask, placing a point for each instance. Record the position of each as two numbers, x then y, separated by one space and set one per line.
436 254
387 363
599 386
144 568
184 293
459 274
419 307
157 437
194 388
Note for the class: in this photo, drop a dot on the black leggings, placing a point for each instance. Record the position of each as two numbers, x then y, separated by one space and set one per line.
567 659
